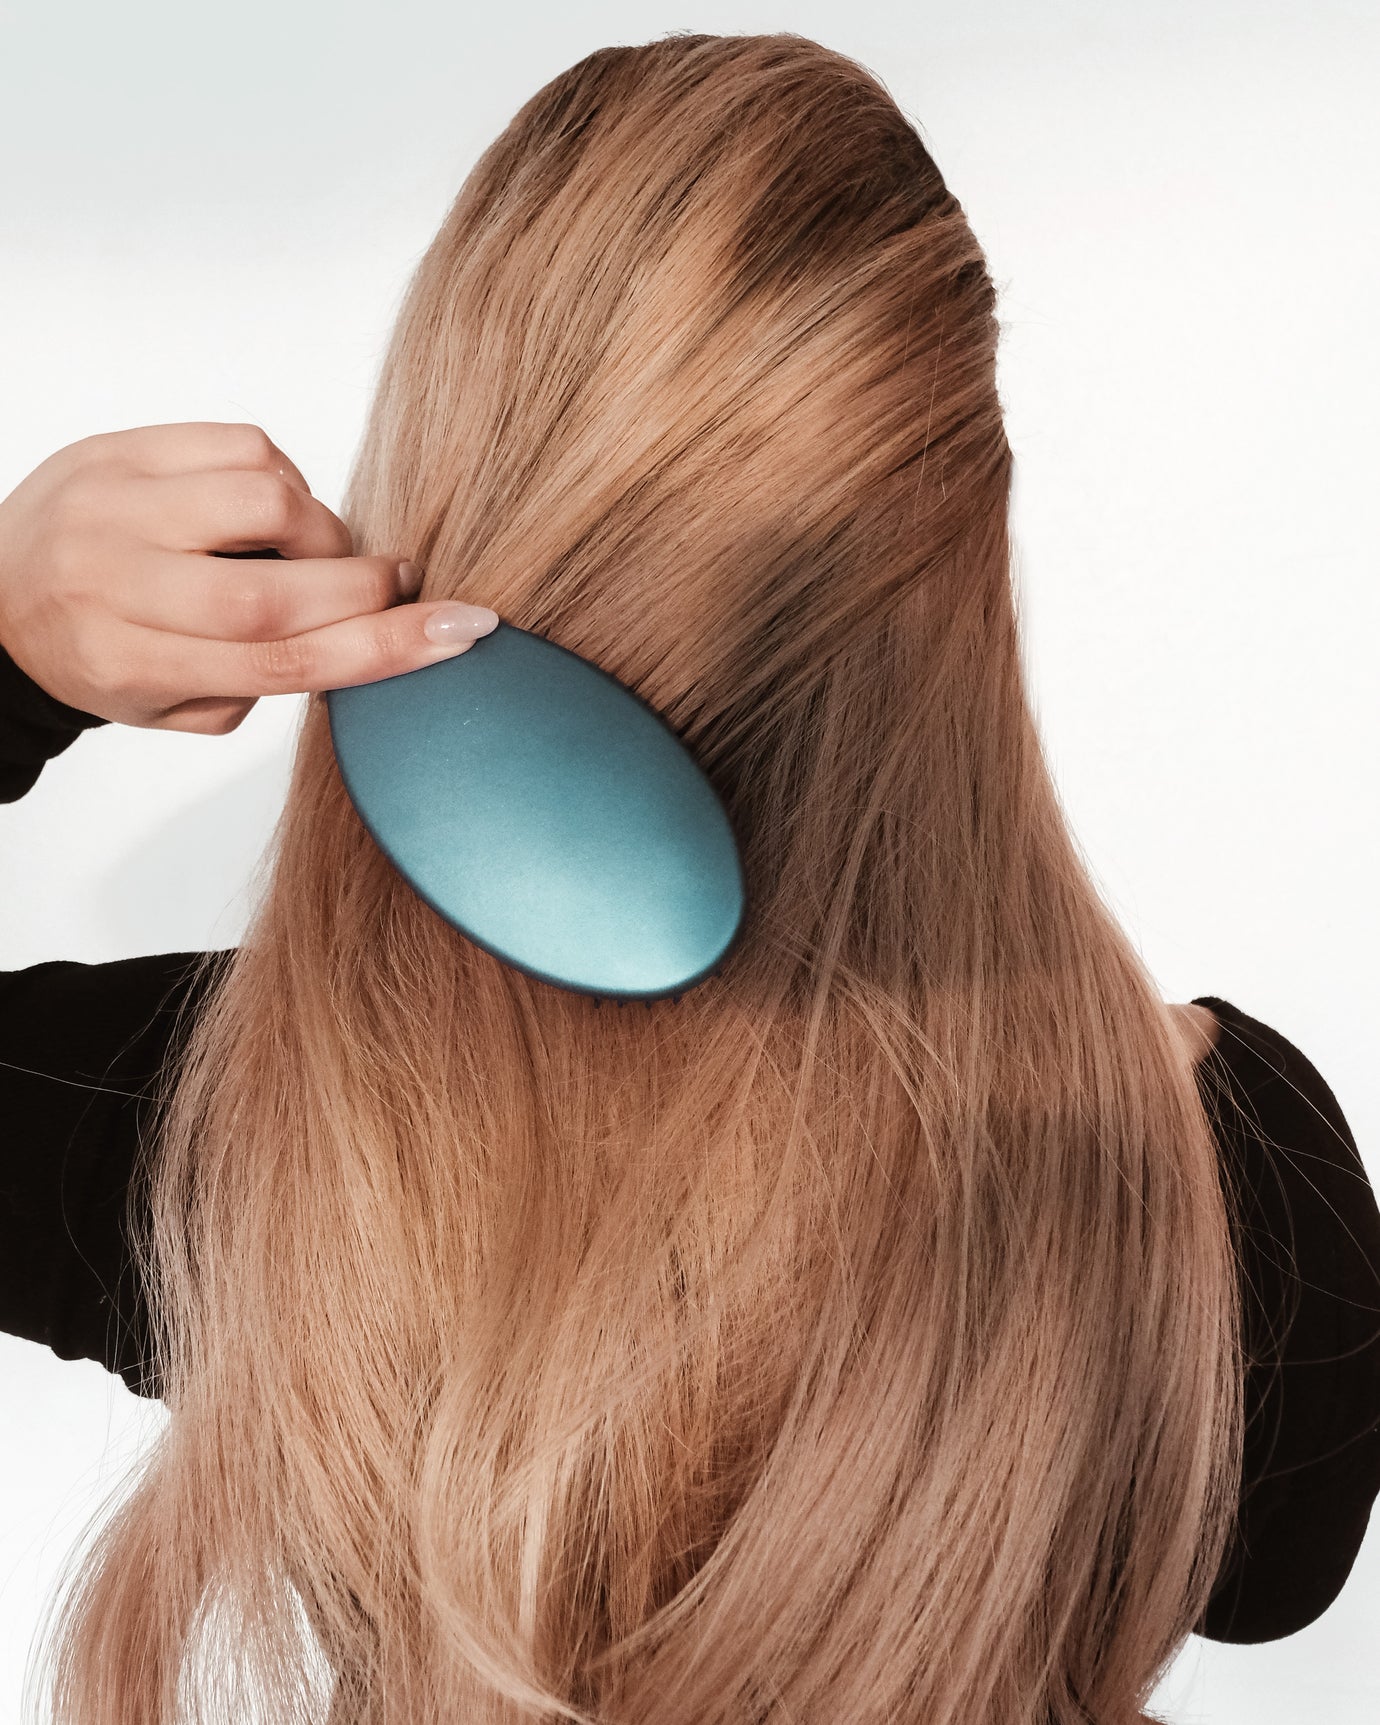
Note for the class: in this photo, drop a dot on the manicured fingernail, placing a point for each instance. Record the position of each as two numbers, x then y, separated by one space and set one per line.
410 578
453 622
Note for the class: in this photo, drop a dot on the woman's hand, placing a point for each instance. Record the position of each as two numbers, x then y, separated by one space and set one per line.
111 599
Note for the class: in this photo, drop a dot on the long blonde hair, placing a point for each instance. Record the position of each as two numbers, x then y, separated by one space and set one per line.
851 1341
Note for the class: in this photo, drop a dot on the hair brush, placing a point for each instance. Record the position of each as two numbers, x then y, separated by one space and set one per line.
547 812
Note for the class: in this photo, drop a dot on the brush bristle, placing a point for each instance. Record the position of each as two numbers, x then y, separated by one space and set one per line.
675 999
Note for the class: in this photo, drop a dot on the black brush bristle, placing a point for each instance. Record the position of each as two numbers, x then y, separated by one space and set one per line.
675 999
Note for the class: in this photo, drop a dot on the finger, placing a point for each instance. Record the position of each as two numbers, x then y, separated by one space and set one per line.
257 599
208 718
161 669
226 509
195 446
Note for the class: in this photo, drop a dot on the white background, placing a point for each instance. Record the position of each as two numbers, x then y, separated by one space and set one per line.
211 214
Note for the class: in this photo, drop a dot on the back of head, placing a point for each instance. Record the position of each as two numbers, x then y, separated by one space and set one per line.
850 1339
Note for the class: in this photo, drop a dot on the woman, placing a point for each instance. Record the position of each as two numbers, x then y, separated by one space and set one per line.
886 1330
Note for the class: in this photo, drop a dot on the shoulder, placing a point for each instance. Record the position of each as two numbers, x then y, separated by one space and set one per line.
1304 1200
1308 1238
1278 1084
1278 1115
62 1017
83 1051
1198 1025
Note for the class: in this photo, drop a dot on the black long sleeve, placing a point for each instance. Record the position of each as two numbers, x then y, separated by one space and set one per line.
82 1045
81 1050
34 726
1308 1241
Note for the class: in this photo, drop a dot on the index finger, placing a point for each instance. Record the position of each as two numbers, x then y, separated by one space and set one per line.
196 446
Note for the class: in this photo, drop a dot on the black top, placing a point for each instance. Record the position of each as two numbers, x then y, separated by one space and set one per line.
81 1044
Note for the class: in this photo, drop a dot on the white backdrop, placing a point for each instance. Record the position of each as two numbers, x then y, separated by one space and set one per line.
212 214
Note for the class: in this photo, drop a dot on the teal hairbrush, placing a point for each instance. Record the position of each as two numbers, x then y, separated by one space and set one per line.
547 812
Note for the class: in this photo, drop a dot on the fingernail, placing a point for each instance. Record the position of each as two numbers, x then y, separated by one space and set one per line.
410 578
454 622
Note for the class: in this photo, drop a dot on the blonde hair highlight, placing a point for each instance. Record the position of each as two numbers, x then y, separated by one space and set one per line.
853 1339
